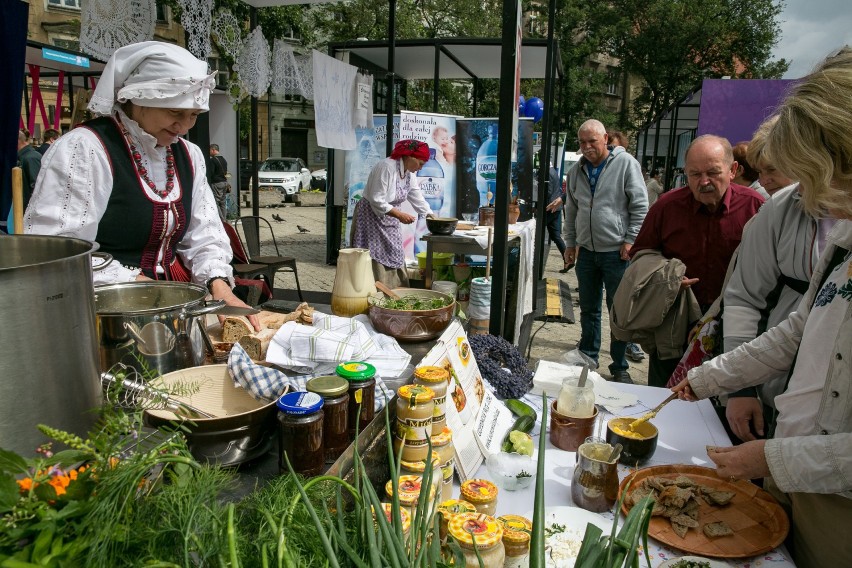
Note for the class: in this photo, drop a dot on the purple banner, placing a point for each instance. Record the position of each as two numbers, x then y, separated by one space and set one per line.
734 108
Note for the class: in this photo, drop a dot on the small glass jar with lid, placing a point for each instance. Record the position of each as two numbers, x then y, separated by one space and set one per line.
482 493
437 379
300 425
414 408
404 517
419 468
443 444
410 493
334 391
517 532
362 393
488 533
449 509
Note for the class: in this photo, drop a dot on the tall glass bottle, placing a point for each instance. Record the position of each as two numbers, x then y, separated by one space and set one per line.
486 166
431 180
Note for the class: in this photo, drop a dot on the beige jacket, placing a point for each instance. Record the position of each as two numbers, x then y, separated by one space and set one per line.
822 461
649 307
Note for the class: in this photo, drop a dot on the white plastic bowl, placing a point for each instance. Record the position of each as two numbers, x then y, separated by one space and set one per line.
511 471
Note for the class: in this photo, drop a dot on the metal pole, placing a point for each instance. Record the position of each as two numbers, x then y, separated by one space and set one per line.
670 150
391 99
436 78
253 144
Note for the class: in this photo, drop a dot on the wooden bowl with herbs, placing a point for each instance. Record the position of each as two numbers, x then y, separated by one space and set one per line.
418 315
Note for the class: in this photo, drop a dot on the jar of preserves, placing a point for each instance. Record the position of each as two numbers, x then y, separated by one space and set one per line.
403 516
489 539
437 379
409 493
414 408
449 509
443 444
335 407
300 425
362 393
482 493
419 468
517 532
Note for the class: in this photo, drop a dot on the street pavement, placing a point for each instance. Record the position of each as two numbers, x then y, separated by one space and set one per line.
550 340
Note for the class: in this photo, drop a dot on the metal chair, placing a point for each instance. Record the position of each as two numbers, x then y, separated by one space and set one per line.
252 275
250 239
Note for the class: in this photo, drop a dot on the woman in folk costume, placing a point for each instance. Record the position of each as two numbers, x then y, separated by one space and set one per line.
377 217
127 181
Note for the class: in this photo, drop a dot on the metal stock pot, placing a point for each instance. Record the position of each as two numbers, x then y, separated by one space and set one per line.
151 326
48 352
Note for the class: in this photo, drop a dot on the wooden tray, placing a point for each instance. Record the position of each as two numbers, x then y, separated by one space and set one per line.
757 520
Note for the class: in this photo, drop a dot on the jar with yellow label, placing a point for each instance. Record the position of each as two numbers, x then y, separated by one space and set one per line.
517 532
414 409
449 509
443 444
487 532
482 493
335 430
419 468
437 379
362 393
403 516
409 493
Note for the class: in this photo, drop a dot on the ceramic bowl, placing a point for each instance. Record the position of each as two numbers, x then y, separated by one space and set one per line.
411 325
441 225
511 471
635 449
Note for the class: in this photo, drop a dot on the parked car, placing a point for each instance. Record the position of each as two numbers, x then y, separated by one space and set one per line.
318 179
286 175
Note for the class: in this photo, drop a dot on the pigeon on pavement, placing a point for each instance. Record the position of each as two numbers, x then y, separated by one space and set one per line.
277 217
302 229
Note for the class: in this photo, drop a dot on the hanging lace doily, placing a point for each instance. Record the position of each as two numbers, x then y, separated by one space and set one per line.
236 92
285 72
306 76
253 64
196 18
107 25
228 32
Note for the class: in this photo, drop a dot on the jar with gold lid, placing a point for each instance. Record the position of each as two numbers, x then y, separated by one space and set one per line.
451 508
414 408
437 379
517 532
404 517
334 391
410 493
419 468
487 532
443 444
362 394
482 493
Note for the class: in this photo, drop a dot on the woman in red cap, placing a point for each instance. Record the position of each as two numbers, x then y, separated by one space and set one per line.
375 224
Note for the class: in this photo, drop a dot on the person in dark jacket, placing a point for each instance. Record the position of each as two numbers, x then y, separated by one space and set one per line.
553 217
29 160
50 136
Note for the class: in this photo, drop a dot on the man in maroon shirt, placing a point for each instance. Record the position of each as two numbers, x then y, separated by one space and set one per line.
701 225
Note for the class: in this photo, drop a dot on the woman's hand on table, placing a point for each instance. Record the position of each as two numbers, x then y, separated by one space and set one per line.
742 412
403 217
684 391
221 290
746 461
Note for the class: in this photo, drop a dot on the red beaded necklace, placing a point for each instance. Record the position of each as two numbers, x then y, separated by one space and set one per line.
143 172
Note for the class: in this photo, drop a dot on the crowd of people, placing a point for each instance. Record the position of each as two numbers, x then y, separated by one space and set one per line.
752 256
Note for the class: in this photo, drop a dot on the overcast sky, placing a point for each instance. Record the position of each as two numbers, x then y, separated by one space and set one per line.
810 30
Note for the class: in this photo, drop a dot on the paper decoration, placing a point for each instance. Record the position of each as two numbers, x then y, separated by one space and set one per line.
107 25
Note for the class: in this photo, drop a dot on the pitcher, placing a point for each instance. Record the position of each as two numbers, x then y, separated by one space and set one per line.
353 282
594 486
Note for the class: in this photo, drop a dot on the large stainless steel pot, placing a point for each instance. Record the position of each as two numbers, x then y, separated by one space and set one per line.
48 352
150 326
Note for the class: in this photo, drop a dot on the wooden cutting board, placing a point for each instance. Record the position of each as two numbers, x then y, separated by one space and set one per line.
758 522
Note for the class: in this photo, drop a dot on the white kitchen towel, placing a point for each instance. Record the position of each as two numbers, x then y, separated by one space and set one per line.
526 232
549 376
334 88
363 96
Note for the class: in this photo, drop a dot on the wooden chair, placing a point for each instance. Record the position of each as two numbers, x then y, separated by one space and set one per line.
250 239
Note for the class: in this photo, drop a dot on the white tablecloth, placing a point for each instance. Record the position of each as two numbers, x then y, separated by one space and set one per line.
686 428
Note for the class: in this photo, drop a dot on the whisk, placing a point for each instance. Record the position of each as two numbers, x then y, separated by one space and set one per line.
123 385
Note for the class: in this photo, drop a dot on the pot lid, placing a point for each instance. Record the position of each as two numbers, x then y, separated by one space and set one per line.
299 403
330 385
356 371
140 298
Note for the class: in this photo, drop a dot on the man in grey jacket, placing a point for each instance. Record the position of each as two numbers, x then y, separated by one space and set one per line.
606 205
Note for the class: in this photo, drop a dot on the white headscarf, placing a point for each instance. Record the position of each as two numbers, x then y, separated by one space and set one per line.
153 74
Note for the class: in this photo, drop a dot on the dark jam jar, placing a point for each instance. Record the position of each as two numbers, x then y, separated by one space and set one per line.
300 433
335 407
362 393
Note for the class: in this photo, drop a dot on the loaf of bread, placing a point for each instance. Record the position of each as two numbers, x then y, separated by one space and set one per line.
234 328
256 344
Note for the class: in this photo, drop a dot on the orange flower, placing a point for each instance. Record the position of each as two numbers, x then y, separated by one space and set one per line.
26 484
59 483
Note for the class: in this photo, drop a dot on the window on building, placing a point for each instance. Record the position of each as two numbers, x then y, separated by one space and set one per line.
66 43
221 69
162 13
612 83
73 4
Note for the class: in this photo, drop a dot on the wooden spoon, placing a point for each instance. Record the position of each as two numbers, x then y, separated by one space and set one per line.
645 417
387 291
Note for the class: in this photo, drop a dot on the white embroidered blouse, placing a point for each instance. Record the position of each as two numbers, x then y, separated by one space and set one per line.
74 186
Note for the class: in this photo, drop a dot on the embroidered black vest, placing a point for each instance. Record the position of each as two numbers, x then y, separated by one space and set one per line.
133 227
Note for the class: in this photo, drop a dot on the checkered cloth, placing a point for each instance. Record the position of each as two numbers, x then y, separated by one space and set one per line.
266 383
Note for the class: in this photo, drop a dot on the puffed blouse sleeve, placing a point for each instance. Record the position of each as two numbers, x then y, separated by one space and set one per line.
71 195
